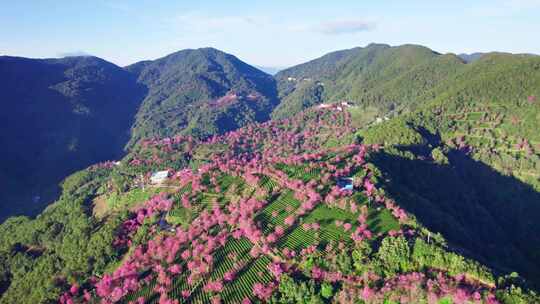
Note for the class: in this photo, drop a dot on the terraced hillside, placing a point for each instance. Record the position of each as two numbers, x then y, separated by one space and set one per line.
470 171
257 215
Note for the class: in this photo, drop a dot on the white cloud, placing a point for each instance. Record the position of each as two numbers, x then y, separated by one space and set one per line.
336 27
253 37
345 26
524 4
200 23
195 22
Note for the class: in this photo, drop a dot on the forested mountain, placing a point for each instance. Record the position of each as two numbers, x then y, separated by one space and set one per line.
99 108
200 92
59 116
379 76
468 161
384 80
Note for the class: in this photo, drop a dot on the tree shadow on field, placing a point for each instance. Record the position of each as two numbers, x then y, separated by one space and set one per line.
482 214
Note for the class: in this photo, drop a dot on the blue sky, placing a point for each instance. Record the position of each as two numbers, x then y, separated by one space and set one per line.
269 33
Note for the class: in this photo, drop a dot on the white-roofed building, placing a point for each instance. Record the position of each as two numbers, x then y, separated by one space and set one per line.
324 106
159 177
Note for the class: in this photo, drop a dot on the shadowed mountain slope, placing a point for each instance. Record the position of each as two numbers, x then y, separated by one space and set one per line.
60 115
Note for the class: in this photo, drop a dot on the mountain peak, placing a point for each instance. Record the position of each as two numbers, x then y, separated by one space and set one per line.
193 79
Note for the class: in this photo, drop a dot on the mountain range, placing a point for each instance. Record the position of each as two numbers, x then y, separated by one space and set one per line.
383 79
377 174
72 112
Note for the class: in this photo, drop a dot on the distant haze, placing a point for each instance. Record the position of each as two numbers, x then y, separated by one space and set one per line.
270 70
471 57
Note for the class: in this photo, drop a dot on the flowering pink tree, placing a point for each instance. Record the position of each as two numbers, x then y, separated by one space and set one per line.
253 155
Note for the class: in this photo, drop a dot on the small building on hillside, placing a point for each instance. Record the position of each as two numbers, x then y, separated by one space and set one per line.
159 177
346 183
164 224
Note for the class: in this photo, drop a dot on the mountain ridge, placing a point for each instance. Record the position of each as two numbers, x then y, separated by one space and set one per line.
381 79
215 75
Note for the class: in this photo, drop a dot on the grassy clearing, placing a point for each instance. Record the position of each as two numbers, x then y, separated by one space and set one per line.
131 198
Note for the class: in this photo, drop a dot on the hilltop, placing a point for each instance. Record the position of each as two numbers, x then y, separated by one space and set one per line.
378 77
200 92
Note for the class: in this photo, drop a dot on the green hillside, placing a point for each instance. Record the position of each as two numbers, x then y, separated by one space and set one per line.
384 77
257 215
469 168
200 92
388 80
